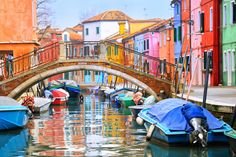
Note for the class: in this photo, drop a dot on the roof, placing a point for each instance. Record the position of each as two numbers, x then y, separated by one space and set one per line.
153 27
78 27
111 15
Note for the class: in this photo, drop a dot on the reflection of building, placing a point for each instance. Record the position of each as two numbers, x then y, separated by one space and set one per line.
63 131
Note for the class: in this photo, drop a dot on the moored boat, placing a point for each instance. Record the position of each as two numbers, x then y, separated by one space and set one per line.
59 96
232 140
70 86
12 114
176 121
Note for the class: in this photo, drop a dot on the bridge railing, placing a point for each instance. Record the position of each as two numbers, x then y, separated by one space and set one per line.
124 57
82 50
141 62
13 67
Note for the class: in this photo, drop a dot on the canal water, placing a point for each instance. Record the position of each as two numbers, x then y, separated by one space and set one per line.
92 128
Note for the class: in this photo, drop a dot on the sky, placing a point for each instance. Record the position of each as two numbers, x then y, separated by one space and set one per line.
68 13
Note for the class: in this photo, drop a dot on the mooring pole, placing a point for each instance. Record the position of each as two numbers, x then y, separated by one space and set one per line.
206 80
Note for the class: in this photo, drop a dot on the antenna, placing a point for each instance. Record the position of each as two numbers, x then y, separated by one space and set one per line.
145 13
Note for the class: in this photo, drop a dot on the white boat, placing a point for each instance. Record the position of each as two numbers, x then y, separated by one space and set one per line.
41 104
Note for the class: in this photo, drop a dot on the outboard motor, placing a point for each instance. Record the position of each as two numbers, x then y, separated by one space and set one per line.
195 117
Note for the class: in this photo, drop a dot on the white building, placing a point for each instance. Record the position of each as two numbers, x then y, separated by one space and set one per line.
104 25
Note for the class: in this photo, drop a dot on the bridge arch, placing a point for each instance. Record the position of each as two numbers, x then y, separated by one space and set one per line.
46 74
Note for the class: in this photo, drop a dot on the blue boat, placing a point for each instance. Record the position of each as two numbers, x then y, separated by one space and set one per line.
175 121
12 114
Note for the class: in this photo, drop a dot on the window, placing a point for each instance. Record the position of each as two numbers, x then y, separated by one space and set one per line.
202 22
177 9
97 30
175 35
109 50
233 60
185 5
87 31
199 21
147 44
225 61
116 50
144 45
65 37
211 19
233 12
86 50
179 33
225 16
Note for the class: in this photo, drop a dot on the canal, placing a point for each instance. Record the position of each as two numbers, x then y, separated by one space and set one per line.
92 128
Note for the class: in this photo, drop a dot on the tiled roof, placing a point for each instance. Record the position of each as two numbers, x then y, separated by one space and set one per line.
78 27
112 15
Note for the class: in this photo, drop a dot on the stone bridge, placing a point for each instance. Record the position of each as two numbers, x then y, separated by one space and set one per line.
58 58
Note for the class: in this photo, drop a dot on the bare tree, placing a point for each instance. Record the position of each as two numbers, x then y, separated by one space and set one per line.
44 13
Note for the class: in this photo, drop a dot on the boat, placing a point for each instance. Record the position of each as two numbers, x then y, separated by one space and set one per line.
148 102
232 140
179 122
59 96
36 104
70 86
41 104
12 114
14 142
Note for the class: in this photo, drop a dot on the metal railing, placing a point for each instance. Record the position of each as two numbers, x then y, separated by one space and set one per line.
13 67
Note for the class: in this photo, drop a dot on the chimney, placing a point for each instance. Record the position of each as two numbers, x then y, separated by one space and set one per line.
121 27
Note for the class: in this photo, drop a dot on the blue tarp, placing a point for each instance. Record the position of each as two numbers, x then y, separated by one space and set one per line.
169 113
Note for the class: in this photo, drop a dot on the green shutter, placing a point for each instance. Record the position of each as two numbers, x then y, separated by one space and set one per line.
175 37
109 50
116 50
179 33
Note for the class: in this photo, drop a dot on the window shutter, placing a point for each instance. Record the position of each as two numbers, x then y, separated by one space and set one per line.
234 13
202 22
175 39
179 33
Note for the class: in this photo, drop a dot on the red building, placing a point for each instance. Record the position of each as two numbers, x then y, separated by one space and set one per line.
210 31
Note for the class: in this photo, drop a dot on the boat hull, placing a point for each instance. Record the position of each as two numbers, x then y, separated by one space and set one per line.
13 119
163 134
41 104
232 140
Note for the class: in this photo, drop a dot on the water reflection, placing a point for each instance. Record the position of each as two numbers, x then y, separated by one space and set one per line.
91 128
13 143
153 150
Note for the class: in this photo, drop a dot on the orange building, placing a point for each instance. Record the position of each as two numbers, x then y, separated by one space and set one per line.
17 27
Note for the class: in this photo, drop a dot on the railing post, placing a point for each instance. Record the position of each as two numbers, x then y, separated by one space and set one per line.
62 52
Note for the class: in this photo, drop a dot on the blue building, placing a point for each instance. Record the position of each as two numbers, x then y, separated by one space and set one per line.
176 4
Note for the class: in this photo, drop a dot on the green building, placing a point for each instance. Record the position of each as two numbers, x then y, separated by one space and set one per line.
229 42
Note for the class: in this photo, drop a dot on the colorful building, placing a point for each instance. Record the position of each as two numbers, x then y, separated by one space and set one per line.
18 27
196 39
177 5
209 27
228 42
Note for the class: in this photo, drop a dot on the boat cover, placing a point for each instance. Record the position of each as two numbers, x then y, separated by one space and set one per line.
169 113
7 101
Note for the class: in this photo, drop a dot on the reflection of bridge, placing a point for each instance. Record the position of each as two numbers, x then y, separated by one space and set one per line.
147 72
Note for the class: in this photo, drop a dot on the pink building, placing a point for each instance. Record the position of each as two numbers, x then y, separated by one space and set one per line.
196 39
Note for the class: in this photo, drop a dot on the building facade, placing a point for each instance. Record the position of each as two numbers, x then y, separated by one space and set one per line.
228 42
